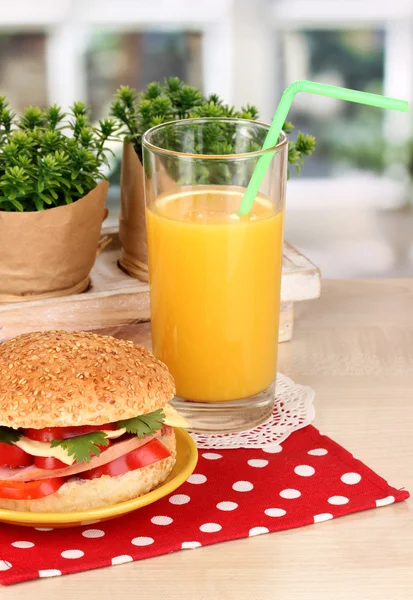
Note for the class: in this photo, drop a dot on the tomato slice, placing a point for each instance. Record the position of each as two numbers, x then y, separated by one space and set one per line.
13 456
48 462
48 434
70 432
143 456
17 490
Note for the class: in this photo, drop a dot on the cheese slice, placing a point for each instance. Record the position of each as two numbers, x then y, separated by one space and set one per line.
114 434
43 449
173 418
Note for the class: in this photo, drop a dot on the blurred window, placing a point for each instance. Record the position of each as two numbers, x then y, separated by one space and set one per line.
353 59
23 69
136 59
52 52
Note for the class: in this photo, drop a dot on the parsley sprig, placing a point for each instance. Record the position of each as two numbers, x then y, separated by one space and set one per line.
9 435
144 424
83 447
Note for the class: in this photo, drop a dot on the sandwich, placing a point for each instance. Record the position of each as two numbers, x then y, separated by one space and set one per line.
85 422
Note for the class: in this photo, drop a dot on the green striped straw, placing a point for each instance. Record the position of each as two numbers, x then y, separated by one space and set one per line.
320 89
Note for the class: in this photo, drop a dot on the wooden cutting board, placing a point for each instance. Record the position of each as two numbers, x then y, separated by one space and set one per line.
115 298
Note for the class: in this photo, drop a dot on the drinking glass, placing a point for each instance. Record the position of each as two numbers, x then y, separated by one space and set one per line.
214 276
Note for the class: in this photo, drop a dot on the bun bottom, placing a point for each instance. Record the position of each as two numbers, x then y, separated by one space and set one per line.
86 494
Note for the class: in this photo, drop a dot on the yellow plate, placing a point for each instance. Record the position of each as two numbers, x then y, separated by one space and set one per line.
186 459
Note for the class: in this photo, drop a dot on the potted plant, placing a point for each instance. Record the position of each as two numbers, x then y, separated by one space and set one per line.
157 104
52 199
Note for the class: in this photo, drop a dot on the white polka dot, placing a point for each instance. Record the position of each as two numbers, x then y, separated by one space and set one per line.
322 517
242 486
142 541
351 478
93 533
161 520
337 500
190 545
196 479
275 512
5 565
290 493
179 499
44 528
258 463
272 449
227 506
304 470
50 573
385 501
72 554
318 452
23 544
121 559
210 527
258 531
212 455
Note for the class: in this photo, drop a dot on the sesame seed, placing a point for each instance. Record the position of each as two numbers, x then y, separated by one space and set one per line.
118 378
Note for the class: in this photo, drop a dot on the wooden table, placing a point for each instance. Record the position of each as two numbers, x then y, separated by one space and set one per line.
354 346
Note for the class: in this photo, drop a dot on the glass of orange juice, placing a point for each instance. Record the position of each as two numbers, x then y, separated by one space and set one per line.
215 277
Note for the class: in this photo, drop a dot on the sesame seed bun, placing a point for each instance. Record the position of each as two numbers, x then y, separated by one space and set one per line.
82 494
58 379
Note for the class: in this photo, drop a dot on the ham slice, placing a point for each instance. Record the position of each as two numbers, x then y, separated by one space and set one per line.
33 473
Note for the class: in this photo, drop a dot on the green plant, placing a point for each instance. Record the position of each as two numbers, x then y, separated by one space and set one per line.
409 154
376 155
366 156
40 165
160 103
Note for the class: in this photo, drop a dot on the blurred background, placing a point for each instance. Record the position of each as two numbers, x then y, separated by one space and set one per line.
351 209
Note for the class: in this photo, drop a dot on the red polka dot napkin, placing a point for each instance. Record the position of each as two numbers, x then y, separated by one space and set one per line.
232 494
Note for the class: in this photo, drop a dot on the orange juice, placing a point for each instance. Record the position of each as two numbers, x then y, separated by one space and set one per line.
215 291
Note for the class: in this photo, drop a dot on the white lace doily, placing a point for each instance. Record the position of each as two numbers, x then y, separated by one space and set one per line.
293 410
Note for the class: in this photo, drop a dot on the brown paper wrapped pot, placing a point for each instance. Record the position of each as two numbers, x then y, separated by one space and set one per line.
50 253
132 225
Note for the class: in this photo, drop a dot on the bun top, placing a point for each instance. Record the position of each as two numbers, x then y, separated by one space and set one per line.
59 378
